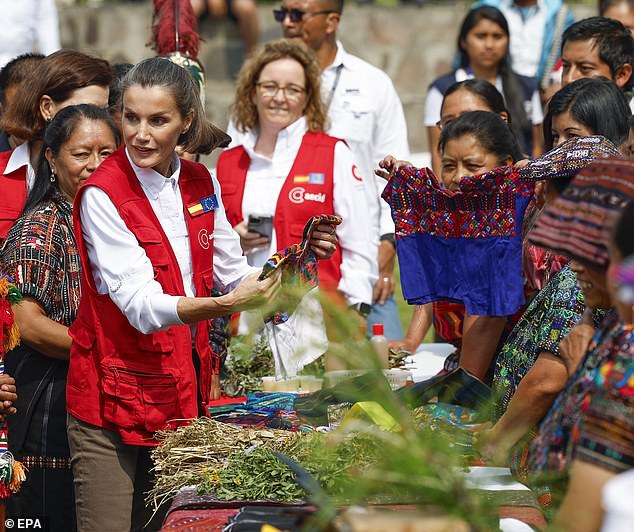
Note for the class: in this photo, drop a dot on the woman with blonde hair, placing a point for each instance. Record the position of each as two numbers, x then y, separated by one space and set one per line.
287 169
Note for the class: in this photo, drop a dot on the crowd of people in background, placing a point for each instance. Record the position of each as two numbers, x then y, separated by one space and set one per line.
107 223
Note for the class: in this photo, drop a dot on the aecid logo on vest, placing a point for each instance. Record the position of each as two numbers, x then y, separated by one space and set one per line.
299 195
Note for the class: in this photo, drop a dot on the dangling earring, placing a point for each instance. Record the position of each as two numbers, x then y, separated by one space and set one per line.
52 178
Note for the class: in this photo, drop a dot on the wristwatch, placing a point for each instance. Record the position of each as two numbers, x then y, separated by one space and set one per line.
362 308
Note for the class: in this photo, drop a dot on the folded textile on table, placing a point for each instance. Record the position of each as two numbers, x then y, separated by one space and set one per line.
297 336
460 246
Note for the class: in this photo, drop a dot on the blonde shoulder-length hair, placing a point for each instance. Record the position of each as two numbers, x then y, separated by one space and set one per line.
244 111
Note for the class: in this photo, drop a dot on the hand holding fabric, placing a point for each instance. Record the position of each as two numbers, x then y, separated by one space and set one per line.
388 165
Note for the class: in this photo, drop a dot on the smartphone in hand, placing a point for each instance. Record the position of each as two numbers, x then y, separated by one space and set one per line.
262 225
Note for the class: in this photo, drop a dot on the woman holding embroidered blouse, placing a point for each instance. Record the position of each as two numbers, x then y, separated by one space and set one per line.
154 241
288 169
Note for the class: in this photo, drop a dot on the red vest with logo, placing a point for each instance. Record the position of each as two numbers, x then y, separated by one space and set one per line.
307 191
119 378
12 194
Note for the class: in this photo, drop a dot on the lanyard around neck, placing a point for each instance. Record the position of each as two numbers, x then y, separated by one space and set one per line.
331 93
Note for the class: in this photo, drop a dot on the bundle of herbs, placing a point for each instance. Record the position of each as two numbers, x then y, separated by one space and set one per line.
187 454
248 361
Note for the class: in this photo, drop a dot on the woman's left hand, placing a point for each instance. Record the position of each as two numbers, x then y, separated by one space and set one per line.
323 241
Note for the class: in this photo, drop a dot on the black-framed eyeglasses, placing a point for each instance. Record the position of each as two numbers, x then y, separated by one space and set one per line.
296 15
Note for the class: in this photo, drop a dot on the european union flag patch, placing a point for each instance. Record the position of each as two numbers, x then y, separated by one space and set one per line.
316 178
210 203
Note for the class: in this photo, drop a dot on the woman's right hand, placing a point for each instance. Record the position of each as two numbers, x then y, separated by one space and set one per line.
249 241
388 165
7 395
252 293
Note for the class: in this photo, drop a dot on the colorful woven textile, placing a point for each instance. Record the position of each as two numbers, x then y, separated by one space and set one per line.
566 160
460 246
550 316
552 450
579 223
11 471
298 262
607 422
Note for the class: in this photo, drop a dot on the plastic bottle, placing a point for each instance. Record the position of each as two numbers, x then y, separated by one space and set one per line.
379 342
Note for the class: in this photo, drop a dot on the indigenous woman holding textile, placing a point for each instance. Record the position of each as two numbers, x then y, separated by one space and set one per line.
288 169
483 48
63 78
154 240
41 254
474 143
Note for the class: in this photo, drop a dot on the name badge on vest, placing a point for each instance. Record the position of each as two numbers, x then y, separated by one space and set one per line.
208 204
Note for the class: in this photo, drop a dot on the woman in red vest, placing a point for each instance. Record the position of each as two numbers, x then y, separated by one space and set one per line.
63 78
288 169
154 240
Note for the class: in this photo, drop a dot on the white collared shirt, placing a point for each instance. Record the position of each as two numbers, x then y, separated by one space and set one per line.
527 36
18 159
28 26
120 266
365 111
358 235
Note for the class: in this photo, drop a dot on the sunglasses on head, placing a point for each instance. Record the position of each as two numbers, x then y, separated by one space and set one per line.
295 15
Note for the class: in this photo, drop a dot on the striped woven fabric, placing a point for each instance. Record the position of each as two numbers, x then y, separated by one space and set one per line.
567 159
580 222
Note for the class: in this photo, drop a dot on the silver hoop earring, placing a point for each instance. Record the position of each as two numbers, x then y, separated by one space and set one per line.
52 178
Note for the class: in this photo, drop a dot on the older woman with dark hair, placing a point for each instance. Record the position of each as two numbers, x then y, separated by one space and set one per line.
41 254
288 169
63 78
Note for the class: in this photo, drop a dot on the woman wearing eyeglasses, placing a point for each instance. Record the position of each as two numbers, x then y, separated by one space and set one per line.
287 169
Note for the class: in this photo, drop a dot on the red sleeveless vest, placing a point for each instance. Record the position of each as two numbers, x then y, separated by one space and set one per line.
307 191
12 194
119 378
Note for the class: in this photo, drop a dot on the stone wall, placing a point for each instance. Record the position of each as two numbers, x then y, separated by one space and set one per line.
412 44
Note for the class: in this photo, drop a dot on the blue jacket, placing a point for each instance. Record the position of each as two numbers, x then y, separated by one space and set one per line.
550 39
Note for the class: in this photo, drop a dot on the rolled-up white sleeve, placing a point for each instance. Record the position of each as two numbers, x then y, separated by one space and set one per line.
121 268
357 235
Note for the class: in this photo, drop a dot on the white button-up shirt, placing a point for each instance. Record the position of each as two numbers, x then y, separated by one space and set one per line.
358 236
527 36
366 111
18 159
28 26
120 266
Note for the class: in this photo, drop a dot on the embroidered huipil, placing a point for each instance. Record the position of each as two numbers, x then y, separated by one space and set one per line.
461 246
